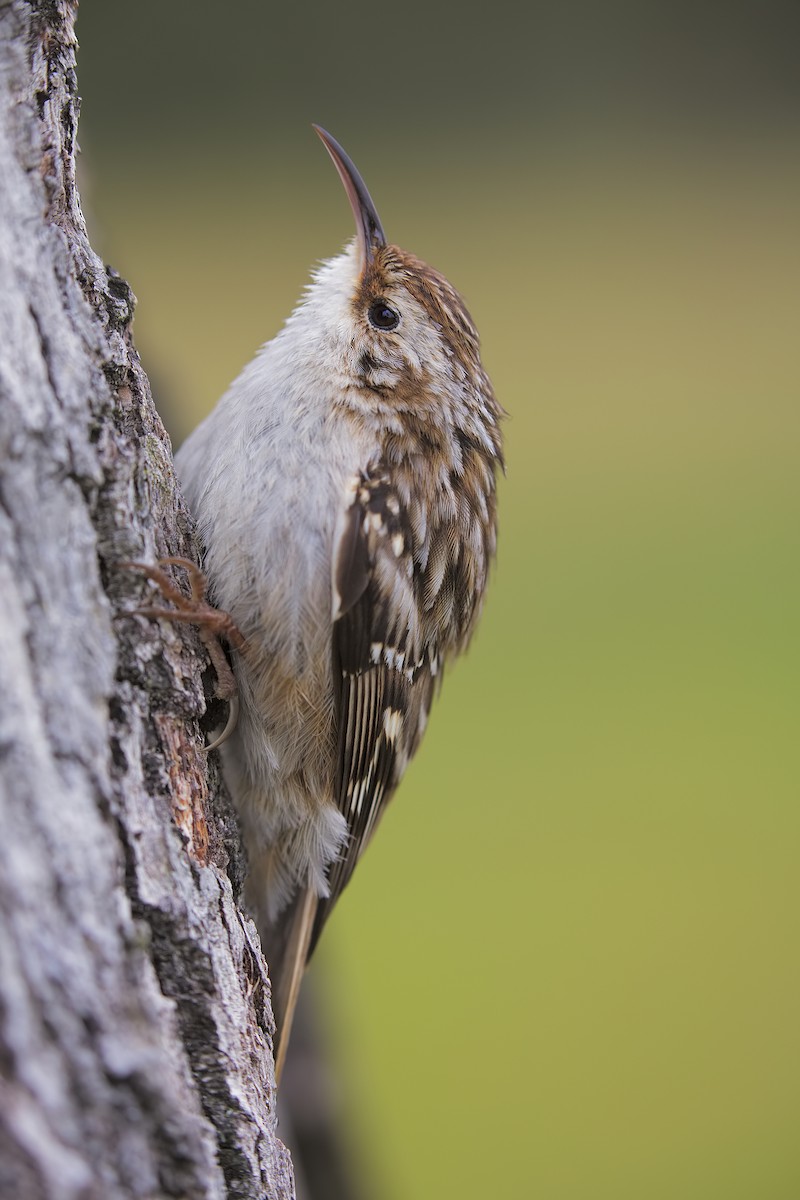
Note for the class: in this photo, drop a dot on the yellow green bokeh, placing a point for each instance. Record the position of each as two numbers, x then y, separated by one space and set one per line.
568 967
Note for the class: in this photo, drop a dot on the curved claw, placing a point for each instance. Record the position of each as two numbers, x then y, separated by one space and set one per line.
233 719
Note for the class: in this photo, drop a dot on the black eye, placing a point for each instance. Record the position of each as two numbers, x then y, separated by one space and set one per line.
383 316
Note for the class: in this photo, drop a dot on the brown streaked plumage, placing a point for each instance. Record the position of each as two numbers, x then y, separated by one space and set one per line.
344 490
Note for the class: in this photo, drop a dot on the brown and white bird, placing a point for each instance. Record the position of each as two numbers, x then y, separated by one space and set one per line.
344 492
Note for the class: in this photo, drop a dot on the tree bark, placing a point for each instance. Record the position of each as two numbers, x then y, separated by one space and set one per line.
135 1022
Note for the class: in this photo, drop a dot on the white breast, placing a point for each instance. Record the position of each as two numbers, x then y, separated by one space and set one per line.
266 477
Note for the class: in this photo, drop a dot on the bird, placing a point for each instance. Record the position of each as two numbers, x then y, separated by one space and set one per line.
344 490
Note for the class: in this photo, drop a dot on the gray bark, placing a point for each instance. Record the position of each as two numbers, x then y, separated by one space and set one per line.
135 1025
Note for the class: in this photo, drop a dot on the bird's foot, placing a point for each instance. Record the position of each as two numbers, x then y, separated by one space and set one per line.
212 624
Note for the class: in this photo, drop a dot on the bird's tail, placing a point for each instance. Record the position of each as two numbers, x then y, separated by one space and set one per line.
286 947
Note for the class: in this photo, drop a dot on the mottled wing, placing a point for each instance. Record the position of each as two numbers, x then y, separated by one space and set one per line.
384 671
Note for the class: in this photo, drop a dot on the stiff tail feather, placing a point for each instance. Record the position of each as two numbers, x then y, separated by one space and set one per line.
286 948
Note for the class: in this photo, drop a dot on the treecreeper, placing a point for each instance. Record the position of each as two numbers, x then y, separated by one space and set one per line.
344 490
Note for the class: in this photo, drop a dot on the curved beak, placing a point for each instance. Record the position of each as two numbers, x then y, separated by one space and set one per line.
368 224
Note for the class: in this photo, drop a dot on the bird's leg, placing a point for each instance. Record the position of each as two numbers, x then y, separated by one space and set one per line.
212 624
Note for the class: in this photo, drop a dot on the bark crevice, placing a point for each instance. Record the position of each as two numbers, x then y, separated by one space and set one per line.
135 1028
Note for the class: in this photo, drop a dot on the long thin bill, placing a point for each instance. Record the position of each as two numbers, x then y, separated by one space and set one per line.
368 224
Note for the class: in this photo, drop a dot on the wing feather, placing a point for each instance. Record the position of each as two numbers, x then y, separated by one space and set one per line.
381 666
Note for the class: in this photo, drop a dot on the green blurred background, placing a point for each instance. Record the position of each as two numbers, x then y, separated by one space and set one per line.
568 967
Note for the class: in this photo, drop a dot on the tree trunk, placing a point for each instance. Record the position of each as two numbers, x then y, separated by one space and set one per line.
135 1022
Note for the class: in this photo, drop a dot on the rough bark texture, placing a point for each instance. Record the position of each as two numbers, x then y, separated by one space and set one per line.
135 1026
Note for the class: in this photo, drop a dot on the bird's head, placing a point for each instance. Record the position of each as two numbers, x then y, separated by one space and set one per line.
386 324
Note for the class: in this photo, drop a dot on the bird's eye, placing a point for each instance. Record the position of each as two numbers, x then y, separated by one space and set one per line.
383 316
